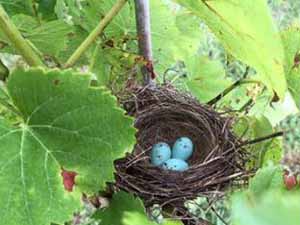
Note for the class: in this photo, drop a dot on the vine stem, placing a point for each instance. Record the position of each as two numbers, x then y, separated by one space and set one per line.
231 88
95 33
143 25
17 40
261 139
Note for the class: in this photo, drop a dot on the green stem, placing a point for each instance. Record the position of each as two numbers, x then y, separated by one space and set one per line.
261 139
250 81
95 33
16 39
231 88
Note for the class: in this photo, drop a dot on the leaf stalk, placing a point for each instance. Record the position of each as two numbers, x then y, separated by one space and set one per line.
261 139
17 40
95 33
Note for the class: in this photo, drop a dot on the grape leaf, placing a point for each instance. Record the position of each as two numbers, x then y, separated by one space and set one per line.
293 79
124 209
47 9
87 14
291 41
67 124
291 44
31 191
13 7
73 40
267 178
115 66
273 153
188 24
171 40
50 38
250 127
274 208
35 8
262 127
206 79
134 218
246 30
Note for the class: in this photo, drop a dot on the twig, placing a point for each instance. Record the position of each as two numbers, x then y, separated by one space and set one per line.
261 139
17 40
219 216
95 33
232 87
3 71
142 11
247 106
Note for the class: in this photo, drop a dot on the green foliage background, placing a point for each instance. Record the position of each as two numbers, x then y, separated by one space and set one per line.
53 118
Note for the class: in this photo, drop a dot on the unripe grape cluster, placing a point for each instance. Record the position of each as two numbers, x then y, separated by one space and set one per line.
291 137
172 159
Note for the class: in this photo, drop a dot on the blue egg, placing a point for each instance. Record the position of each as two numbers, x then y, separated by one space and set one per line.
182 148
175 165
160 153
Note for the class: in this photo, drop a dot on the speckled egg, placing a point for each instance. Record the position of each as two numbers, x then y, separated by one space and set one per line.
160 153
182 148
175 165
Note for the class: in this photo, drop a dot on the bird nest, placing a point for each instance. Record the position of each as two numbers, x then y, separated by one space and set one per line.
163 114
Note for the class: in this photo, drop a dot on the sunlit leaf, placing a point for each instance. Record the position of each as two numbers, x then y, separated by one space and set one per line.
206 78
274 208
66 124
246 30
125 209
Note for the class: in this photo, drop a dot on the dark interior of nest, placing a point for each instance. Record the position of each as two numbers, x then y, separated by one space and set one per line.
164 114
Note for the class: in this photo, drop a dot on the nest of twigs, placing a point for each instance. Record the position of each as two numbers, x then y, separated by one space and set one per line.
164 114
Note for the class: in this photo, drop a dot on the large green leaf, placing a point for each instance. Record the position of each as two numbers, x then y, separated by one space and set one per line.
31 189
175 35
206 79
274 208
124 209
13 7
74 39
88 13
114 68
37 8
67 124
49 38
291 41
267 178
251 127
274 153
47 9
294 85
246 30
